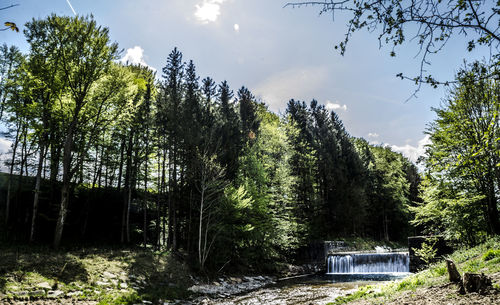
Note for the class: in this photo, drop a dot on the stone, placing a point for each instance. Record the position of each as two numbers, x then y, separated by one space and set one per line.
74 293
123 285
108 275
21 293
37 293
55 293
102 283
44 285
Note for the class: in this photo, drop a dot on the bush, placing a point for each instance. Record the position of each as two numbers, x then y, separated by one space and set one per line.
491 254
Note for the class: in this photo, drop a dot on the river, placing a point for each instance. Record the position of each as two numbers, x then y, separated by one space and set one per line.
317 289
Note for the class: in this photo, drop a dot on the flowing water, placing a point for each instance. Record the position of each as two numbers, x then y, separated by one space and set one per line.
368 263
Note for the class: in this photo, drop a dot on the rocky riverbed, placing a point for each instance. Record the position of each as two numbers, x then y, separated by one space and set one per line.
268 290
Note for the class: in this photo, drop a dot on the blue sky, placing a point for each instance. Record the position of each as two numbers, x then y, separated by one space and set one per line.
278 53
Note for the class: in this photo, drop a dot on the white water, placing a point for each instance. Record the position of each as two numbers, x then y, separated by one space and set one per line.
368 263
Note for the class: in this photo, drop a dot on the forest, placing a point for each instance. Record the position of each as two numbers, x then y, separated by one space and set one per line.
110 153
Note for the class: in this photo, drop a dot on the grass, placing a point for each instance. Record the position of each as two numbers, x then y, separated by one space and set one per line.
484 258
108 276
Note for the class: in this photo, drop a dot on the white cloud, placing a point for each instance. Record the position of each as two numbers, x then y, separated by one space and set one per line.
208 10
236 27
412 152
334 106
5 153
297 83
135 56
373 135
4 145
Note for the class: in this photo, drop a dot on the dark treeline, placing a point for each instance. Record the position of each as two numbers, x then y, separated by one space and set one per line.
107 151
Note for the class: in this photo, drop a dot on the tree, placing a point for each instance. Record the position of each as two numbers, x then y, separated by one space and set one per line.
12 101
229 131
210 185
169 110
465 144
84 54
431 23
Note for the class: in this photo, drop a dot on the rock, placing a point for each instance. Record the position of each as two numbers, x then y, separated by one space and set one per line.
453 273
37 293
123 285
74 293
108 275
20 293
474 282
55 293
147 302
44 285
102 283
114 282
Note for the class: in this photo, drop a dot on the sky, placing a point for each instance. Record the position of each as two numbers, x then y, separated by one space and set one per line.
278 53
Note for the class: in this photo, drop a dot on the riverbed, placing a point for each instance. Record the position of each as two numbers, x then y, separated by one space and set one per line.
316 289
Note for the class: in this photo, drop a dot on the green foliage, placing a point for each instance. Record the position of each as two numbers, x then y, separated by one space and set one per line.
428 250
491 254
459 197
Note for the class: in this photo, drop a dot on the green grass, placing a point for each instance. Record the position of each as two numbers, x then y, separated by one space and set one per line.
484 258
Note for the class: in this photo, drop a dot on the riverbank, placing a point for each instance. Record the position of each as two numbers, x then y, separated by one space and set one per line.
40 275
91 276
431 286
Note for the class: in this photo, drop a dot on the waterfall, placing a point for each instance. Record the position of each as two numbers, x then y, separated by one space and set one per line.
368 263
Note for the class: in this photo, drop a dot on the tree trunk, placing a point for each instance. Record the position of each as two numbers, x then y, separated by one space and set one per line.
474 282
65 190
144 201
126 193
453 273
492 208
120 167
41 159
11 172
200 230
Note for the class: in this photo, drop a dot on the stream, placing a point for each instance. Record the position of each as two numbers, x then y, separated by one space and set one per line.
314 289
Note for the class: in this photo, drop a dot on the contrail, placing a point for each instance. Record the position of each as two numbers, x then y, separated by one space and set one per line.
71 6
